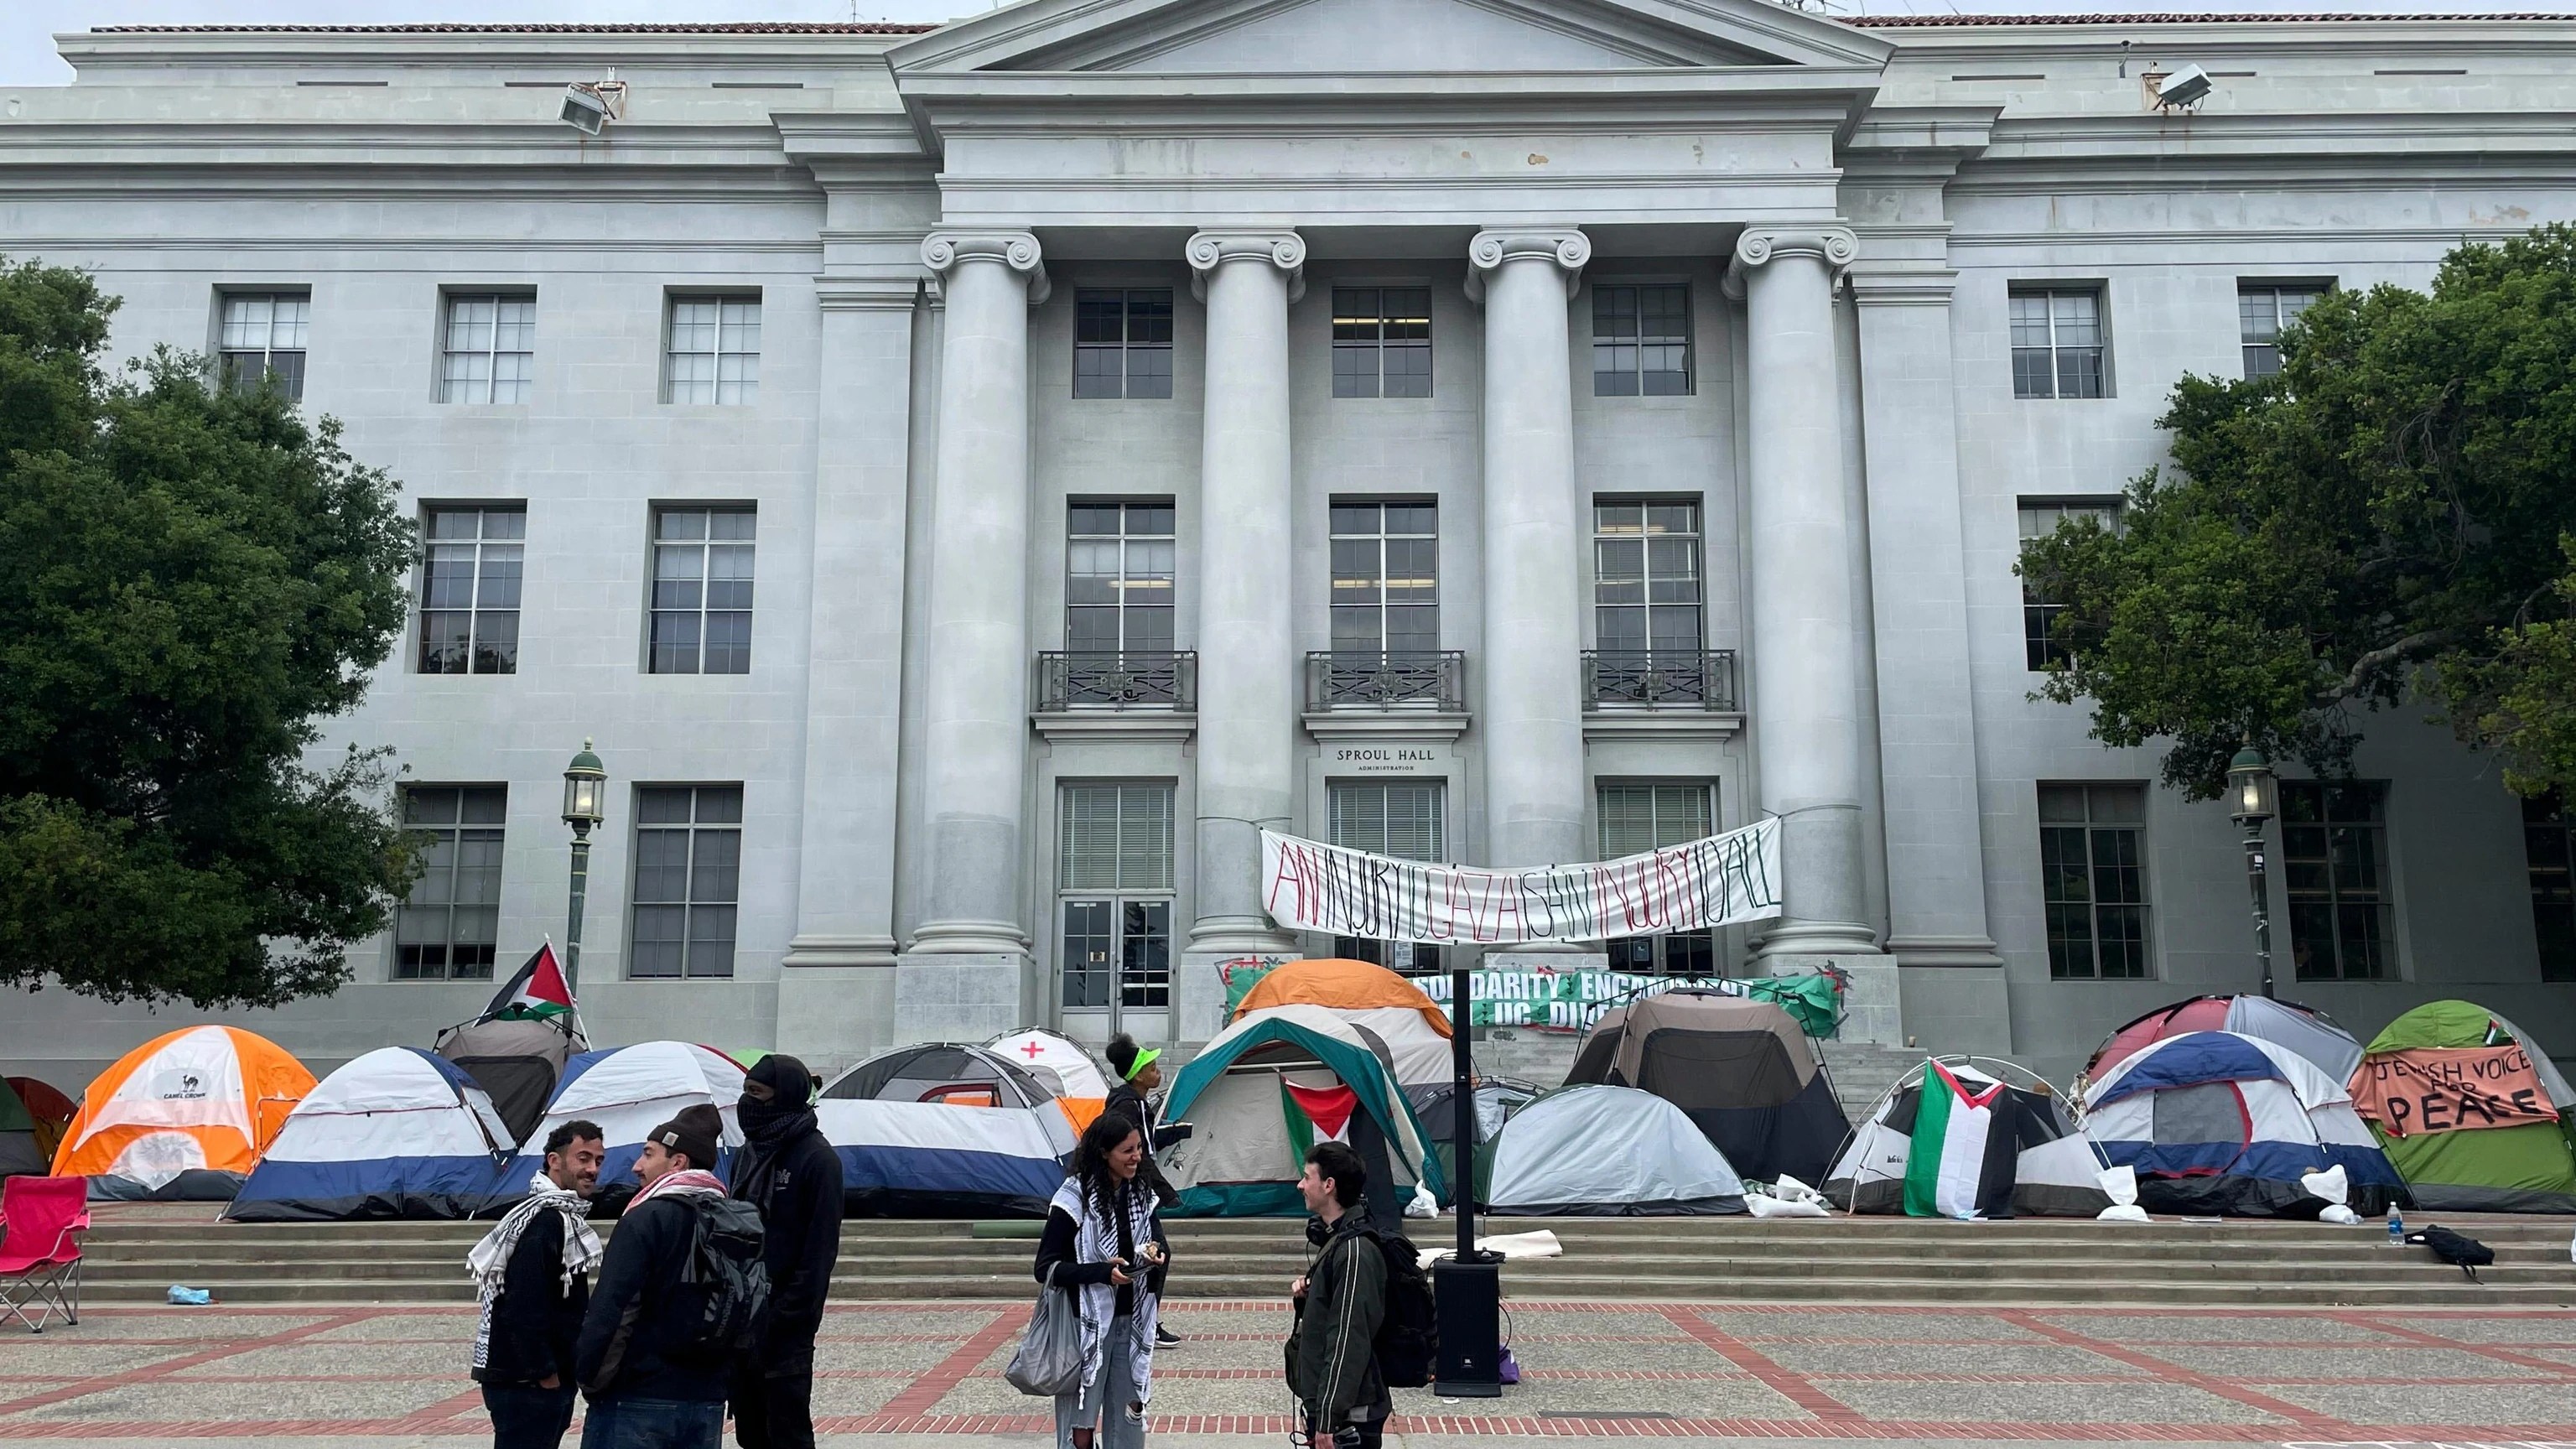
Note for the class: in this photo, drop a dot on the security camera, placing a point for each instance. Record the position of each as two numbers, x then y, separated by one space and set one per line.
588 106
2186 87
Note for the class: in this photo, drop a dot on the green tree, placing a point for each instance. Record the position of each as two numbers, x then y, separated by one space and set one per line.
190 578
2387 522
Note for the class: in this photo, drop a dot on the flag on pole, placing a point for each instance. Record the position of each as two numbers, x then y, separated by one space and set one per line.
536 993
1316 1114
1951 1169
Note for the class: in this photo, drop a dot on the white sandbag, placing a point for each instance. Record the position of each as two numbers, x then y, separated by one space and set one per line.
1538 1244
1790 1189
1780 1207
2120 1184
2331 1184
1422 1204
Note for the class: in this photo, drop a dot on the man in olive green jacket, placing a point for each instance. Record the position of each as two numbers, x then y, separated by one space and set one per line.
1341 1301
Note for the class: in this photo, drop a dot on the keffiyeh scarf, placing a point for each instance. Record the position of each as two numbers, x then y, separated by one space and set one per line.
489 1263
1095 1240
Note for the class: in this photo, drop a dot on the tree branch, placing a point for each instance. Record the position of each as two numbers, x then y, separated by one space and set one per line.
2373 661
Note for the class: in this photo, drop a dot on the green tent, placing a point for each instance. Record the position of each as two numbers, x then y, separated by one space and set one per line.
2529 1168
1269 1087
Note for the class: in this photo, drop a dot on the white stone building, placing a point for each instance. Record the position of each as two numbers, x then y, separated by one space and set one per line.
964 478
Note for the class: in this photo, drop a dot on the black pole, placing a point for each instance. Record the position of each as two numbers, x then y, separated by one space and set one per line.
1462 1069
1468 1286
2262 900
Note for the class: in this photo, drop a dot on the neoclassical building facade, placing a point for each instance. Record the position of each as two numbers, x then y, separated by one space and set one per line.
968 481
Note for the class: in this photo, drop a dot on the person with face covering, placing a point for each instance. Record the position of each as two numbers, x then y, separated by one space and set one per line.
787 1170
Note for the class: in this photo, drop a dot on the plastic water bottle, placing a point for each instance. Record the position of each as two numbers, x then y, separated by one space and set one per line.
2397 1229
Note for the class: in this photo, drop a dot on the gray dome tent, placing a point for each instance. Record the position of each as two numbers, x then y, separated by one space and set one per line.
517 1061
1608 1152
948 1072
1743 1070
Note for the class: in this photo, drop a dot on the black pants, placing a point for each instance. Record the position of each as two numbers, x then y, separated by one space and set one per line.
1372 1434
773 1400
527 1417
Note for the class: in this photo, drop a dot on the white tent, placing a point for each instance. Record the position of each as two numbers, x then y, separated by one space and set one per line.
1041 1051
628 1091
1600 1151
397 1133
2055 1169
2214 1122
923 1159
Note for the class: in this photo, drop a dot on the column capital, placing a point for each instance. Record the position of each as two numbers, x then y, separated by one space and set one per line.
1209 250
941 251
1566 247
1834 245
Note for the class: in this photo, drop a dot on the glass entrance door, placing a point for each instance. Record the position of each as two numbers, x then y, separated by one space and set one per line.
1116 955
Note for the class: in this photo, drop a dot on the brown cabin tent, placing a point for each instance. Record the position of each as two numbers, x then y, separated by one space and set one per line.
1742 1070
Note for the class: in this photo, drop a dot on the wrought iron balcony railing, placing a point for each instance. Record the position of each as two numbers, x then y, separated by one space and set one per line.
1428 680
1079 680
1626 679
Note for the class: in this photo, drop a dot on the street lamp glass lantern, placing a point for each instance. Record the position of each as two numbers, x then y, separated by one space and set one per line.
585 791
2254 792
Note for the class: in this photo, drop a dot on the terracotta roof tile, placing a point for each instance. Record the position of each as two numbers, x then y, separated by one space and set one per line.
738 27
1928 22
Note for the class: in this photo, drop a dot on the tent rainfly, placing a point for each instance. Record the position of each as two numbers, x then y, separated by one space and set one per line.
941 1072
1061 1064
183 1117
2303 1029
1414 1028
1602 1151
1269 1087
517 1061
1743 1070
19 1155
49 1109
2214 1122
628 1091
397 1133
1496 1099
2472 1112
1968 1137
925 1160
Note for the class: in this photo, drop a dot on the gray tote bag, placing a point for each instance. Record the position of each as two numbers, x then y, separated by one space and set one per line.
1050 1358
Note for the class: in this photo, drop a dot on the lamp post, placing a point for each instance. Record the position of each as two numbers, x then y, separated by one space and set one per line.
1467 1288
2254 797
585 791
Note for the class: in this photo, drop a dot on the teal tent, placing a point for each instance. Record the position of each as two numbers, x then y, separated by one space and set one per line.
1265 1091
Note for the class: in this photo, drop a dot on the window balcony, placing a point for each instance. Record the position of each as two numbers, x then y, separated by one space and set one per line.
1082 682
1424 681
1616 681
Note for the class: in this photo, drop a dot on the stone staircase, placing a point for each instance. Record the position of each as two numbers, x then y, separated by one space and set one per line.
2048 1262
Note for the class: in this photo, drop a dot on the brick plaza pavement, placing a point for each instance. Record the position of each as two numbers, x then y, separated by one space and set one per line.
373 1378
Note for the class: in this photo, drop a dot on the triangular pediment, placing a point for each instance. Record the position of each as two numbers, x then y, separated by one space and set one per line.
1361 37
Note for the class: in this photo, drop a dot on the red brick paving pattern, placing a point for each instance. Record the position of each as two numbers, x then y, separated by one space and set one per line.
910 1411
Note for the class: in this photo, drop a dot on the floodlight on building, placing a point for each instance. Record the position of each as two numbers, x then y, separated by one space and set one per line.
2185 88
588 106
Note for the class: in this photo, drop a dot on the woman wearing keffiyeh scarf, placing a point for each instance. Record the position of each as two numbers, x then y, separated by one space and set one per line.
1102 1243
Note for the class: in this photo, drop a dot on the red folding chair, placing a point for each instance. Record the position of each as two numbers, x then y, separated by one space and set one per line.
40 1253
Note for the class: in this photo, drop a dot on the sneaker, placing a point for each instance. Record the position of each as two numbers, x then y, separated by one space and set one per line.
1165 1338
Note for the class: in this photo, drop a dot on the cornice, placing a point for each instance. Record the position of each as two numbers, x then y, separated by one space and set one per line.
1923 143
92 50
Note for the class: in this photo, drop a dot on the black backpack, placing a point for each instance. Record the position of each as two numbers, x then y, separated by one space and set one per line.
2460 1251
1408 1338
724 1285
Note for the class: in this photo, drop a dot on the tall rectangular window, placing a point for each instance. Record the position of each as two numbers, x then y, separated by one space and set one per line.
2093 880
489 352
1641 341
1381 342
2057 343
688 879
448 926
469 590
262 339
1118 576
1401 818
1114 880
2262 310
2334 844
2041 649
711 353
1639 817
1122 342
702 577
1646 576
2549 854
1386 576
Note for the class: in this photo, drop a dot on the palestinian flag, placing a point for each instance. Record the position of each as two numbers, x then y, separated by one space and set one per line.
1962 1159
1316 1114
535 994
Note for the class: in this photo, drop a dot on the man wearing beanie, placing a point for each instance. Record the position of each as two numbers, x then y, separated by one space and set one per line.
645 1392
1138 1073
791 1174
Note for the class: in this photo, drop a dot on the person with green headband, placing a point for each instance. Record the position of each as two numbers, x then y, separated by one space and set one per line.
1139 1072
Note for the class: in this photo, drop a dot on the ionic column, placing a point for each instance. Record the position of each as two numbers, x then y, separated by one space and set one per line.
1247 733
1533 530
976 705
1806 699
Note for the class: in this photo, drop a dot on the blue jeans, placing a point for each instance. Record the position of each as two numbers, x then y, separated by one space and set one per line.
527 1417
620 1423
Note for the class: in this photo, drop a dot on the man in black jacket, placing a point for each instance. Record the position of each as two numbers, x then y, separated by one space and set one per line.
791 1174
644 1391
523 1355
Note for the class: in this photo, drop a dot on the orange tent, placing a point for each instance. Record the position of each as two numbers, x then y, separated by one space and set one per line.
185 1115
1412 1026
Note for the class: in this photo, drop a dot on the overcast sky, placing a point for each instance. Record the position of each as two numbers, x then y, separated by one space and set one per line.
27 27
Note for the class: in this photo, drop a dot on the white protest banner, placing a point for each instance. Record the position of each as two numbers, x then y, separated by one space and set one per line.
1718 881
